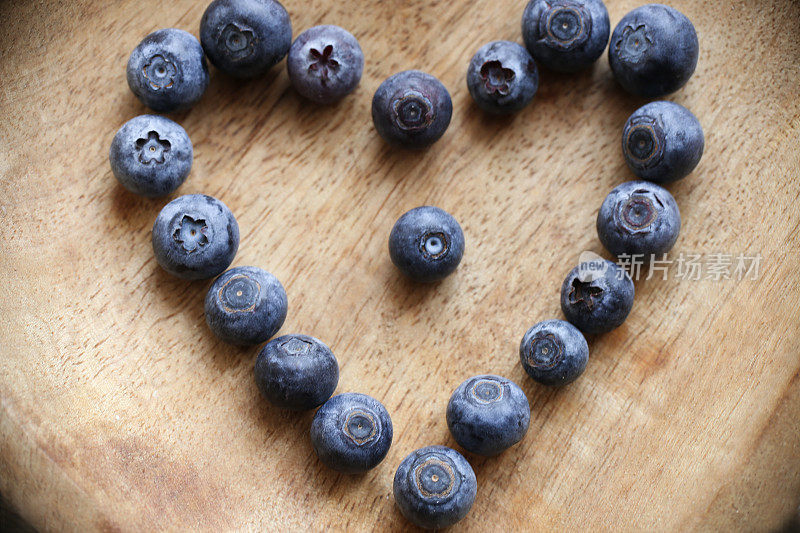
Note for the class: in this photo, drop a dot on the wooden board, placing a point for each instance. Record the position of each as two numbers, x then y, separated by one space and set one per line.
120 411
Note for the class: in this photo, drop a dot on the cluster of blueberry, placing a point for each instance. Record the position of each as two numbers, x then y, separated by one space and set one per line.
653 52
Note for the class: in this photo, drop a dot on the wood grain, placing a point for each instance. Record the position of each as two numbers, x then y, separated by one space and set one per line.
120 411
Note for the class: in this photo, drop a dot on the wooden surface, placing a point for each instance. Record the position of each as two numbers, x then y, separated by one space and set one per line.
119 409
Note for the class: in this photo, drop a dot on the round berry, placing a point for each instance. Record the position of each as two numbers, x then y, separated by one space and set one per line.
296 372
351 432
151 155
565 35
245 38
167 71
426 244
488 414
639 218
597 296
434 487
411 109
662 142
653 51
245 305
195 237
554 352
502 77
325 64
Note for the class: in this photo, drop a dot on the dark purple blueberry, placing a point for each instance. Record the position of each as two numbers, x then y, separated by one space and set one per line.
245 305
351 433
434 487
662 142
426 244
488 414
296 372
502 77
653 51
195 237
597 296
411 109
565 35
167 71
554 352
639 218
245 38
151 155
325 64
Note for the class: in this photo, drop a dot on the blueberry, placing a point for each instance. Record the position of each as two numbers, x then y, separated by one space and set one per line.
151 155
488 414
351 432
245 38
597 296
502 77
411 109
426 244
565 35
195 237
245 305
638 218
554 352
662 142
296 372
325 64
653 51
167 71
434 487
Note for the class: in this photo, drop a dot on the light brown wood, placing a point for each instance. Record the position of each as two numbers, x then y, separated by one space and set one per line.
119 409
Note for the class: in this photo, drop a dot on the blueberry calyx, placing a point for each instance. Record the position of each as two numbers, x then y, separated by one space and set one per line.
191 233
435 477
160 72
237 41
496 77
633 45
323 63
295 346
239 294
565 25
583 292
361 426
152 149
546 351
644 142
434 245
637 212
486 391
413 111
